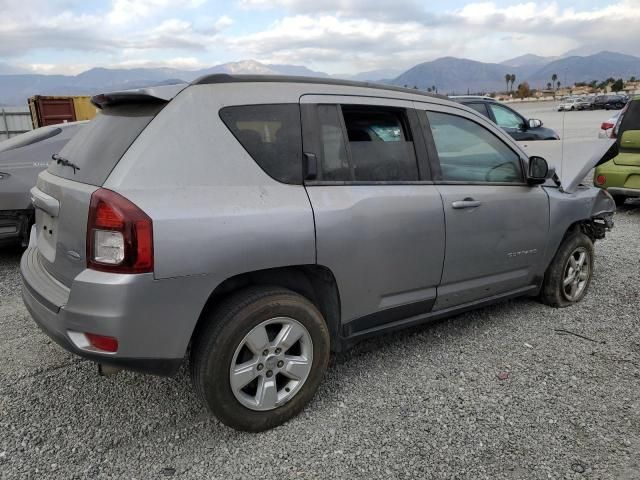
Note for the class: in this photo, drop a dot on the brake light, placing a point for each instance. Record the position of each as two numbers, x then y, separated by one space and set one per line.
601 179
102 342
119 235
606 126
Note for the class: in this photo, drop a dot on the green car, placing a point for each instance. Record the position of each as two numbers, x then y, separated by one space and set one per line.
621 175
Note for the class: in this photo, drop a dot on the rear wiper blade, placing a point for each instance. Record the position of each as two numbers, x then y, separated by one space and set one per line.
64 162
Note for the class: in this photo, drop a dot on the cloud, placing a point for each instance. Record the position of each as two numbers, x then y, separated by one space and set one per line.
384 33
128 11
330 35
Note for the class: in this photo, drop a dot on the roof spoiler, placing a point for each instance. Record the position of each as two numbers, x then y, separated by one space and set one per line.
154 95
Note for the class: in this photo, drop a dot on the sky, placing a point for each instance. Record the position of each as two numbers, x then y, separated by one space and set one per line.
333 36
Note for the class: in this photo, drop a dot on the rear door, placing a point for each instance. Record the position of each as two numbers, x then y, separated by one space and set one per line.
379 219
496 224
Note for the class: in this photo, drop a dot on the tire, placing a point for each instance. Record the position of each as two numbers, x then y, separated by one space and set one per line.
554 293
619 199
224 340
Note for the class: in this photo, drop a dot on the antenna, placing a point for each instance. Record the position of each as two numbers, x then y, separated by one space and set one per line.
564 114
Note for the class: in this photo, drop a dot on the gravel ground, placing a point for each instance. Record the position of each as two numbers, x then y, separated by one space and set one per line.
424 403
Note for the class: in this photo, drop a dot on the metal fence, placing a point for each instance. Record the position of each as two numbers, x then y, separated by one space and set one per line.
14 121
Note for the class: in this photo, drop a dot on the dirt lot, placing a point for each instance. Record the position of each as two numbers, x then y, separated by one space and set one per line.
425 403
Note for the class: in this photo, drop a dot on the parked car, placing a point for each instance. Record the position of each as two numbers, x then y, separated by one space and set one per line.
621 175
259 223
508 119
607 127
574 104
615 102
21 159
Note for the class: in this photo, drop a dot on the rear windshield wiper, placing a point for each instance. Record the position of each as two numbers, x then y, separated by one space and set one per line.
64 162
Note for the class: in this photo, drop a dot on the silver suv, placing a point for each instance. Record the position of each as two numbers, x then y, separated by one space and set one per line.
258 223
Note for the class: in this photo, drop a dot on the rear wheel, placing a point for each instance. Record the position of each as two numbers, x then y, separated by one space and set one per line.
260 357
569 275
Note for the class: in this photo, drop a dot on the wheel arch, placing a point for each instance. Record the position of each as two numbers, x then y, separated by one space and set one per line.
314 282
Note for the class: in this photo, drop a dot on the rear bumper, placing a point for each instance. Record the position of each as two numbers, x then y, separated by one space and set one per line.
106 304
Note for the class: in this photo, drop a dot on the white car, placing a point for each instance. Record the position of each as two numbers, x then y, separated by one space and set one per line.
573 104
606 128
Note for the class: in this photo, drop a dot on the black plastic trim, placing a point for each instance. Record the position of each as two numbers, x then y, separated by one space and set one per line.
386 316
350 338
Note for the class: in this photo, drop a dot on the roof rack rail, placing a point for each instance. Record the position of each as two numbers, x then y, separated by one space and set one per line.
227 78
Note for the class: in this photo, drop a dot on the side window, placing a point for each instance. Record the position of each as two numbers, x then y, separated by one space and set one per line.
271 134
505 118
334 160
380 144
479 107
469 152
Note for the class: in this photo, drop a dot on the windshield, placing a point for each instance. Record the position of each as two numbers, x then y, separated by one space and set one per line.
97 148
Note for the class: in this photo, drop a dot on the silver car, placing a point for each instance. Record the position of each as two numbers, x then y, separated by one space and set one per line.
22 158
256 224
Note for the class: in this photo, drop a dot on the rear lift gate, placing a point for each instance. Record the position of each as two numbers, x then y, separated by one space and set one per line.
62 196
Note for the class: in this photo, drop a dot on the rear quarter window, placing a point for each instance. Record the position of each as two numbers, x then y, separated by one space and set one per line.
98 147
272 135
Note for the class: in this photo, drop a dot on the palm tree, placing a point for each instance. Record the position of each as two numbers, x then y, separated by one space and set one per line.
513 80
507 78
558 83
548 85
434 89
554 77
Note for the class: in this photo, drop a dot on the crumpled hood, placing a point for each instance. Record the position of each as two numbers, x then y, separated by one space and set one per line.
604 151
572 159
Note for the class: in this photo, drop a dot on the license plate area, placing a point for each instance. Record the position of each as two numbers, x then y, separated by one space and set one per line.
47 234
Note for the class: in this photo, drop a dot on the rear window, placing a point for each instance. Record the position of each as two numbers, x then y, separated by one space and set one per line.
271 134
98 147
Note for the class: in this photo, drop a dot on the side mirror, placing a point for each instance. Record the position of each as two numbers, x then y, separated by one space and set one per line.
539 171
535 123
630 139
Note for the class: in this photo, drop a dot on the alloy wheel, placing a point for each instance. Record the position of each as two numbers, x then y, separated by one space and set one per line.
576 274
271 363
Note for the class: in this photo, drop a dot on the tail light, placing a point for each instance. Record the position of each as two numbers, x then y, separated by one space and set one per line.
606 125
119 235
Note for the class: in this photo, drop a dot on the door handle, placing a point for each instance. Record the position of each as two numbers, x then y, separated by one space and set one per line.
466 203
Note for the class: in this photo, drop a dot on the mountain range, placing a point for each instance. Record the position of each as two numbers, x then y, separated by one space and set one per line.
448 74
459 75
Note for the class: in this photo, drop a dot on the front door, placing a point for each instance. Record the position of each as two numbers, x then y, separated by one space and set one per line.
496 224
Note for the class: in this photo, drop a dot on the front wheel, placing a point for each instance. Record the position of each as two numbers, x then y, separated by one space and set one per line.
569 275
260 357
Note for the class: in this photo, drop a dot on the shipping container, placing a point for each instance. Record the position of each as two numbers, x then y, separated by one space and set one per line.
50 110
